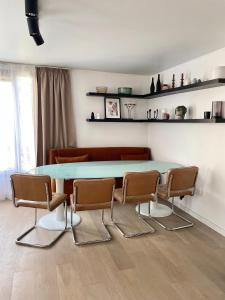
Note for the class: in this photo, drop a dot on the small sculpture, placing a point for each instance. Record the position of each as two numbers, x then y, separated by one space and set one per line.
92 116
180 112
195 80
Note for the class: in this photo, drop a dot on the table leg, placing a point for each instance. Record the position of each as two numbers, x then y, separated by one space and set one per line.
56 219
157 210
60 209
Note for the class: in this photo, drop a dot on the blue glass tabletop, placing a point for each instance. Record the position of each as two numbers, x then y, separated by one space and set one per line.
101 169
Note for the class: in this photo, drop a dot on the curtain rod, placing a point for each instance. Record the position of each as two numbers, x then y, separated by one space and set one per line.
40 66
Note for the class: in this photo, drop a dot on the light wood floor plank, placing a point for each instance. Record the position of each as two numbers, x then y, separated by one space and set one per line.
184 265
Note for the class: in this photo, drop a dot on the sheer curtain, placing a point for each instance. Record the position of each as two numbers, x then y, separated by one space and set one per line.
17 122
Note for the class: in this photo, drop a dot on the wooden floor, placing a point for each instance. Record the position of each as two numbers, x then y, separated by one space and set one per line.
185 265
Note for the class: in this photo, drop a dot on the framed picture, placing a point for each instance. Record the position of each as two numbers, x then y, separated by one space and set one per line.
112 108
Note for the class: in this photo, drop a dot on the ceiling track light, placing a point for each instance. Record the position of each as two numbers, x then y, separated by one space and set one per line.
33 26
31 11
31 8
38 39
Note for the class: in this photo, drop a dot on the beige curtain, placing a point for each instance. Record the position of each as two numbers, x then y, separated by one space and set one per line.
55 122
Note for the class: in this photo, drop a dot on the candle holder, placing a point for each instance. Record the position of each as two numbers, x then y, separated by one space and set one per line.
129 107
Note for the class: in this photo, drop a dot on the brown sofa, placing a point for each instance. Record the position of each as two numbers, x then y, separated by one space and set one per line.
99 154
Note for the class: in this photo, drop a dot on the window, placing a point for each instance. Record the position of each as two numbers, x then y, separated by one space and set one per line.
17 142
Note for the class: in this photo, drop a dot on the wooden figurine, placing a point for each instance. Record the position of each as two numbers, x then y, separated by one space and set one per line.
173 81
182 79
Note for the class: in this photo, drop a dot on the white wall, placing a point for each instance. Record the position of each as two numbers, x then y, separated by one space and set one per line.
189 144
107 134
202 145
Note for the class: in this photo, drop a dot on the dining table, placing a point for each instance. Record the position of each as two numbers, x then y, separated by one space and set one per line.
98 169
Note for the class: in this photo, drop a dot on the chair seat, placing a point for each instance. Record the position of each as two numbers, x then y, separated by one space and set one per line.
57 199
118 195
163 192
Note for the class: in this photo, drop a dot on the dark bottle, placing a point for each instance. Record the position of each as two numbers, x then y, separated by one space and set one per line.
92 116
158 84
152 88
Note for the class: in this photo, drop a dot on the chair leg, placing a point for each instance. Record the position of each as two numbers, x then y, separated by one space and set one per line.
107 238
131 234
190 224
19 242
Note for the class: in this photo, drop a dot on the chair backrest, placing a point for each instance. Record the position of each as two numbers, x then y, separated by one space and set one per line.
31 187
182 179
140 183
90 194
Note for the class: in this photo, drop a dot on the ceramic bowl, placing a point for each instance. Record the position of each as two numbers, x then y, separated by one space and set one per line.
125 90
101 89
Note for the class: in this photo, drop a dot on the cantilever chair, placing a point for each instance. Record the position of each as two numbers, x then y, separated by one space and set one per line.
34 191
180 183
138 187
92 194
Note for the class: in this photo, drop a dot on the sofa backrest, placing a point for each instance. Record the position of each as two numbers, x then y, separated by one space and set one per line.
98 153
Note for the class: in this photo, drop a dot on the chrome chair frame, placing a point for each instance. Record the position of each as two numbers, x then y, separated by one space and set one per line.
190 224
37 245
132 234
108 236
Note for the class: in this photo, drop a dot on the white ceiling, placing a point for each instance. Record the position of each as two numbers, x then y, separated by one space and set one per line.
128 36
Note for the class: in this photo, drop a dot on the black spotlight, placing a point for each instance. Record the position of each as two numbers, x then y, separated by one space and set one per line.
31 8
38 39
33 26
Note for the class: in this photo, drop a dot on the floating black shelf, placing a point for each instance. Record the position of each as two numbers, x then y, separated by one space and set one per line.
158 121
186 88
188 121
189 88
92 94
118 120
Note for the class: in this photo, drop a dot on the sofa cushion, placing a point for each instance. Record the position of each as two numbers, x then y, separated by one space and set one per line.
73 159
144 156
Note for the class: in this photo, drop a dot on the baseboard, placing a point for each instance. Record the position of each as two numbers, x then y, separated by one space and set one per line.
201 219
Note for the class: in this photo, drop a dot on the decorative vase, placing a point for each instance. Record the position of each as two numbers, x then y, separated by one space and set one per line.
217 109
125 90
101 89
218 72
